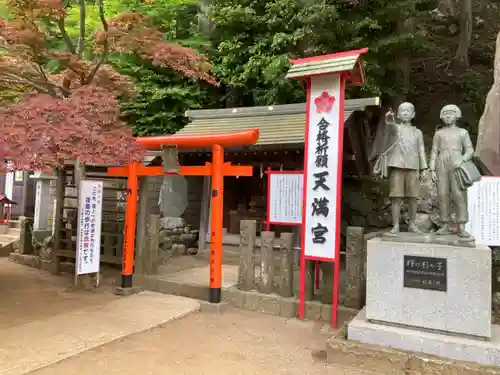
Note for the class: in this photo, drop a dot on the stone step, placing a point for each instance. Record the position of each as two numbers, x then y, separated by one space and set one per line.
8 238
14 224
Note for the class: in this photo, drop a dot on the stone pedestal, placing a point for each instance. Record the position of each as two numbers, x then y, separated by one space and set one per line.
464 307
428 298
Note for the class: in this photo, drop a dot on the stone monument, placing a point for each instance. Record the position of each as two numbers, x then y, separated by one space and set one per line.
431 292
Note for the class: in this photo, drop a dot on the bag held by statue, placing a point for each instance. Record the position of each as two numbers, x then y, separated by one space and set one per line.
381 167
467 174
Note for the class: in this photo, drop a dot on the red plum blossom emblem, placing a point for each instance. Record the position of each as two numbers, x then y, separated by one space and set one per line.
324 102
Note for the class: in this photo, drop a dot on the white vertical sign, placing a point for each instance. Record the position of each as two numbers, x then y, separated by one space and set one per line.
483 200
285 197
88 241
320 231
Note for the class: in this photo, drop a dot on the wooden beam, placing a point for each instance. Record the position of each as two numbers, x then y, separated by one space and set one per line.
357 138
205 213
57 221
206 170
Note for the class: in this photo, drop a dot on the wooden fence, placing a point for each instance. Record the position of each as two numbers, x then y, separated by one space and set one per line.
113 214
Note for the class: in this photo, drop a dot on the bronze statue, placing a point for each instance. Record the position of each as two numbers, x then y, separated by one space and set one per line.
404 160
453 171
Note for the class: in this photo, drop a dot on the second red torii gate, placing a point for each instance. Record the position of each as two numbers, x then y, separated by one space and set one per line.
217 170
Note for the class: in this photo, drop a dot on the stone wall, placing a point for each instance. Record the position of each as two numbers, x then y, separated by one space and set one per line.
366 204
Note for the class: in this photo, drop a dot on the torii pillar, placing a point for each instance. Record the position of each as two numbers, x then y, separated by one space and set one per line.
326 78
218 169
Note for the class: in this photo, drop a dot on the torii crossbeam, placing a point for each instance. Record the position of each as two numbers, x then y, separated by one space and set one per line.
218 169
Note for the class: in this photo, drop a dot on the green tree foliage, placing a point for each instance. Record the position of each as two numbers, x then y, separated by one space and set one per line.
162 94
254 40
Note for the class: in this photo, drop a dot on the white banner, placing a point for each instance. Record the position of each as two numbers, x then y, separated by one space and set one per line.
321 231
285 197
484 211
88 240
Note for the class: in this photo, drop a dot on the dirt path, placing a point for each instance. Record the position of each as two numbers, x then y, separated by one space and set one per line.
28 295
236 343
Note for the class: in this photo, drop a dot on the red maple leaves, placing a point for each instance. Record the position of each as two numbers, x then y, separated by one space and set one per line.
74 114
44 132
324 102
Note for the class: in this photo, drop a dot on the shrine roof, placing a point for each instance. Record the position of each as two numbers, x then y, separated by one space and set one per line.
347 62
278 125
5 200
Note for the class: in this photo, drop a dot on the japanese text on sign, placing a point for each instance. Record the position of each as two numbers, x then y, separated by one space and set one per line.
89 227
324 131
425 273
484 211
285 197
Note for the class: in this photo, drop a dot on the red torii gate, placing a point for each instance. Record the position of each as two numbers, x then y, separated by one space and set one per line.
217 170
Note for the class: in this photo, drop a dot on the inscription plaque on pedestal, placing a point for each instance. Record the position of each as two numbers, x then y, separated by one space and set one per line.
425 273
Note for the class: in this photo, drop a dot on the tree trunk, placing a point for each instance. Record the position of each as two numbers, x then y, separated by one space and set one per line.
461 59
403 59
447 7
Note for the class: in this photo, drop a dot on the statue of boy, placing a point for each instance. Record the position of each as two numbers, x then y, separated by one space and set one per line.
451 147
406 159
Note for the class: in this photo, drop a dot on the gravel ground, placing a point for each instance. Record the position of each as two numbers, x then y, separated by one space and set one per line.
236 342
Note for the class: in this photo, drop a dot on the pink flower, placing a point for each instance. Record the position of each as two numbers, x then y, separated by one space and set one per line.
324 102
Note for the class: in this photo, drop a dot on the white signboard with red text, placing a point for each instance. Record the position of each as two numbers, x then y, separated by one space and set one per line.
323 167
88 241
326 77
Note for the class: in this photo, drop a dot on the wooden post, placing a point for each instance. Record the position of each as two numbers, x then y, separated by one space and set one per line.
246 270
26 235
142 232
152 257
130 225
309 282
267 262
214 292
286 265
57 220
205 214
327 271
355 263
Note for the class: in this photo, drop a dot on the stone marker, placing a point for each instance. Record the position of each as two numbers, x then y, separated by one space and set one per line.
25 236
267 262
152 256
246 270
327 273
355 264
285 288
309 284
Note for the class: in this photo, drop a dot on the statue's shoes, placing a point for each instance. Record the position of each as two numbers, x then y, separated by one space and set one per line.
464 234
414 229
443 232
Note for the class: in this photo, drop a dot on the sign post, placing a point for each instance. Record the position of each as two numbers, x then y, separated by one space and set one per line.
326 78
88 241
